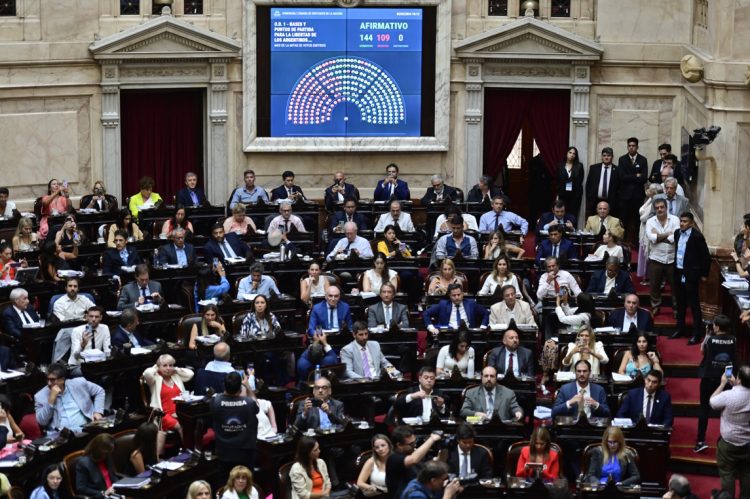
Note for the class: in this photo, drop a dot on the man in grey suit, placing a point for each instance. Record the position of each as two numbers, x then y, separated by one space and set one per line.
387 311
141 291
74 401
510 308
499 400
320 411
676 204
511 356
363 358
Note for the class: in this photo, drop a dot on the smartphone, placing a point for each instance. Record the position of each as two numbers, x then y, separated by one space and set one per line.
728 370
216 262
65 184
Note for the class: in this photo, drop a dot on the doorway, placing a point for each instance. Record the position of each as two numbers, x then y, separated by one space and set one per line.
162 137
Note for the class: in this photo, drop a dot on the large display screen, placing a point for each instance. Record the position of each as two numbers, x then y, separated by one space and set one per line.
345 72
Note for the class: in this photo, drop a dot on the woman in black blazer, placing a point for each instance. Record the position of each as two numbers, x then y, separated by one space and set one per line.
570 182
95 471
613 458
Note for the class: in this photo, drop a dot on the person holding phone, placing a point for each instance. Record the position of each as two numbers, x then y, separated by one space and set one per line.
719 350
55 202
539 451
8 266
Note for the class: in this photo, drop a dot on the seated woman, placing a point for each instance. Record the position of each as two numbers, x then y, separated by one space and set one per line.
540 451
14 432
497 246
55 202
613 458
261 321
266 418
390 246
212 323
312 285
144 449
124 222
178 219
586 348
611 246
501 275
572 319
442 226
49 486
371 480
69 236
166 382
25 239
210 283
240 484
378 274
639 358
95 471
309 473
199 489
99 200
52 258
439 284
459 353
239 222
8 266
145 199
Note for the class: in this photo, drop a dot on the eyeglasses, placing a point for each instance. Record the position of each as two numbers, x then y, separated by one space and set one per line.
51 379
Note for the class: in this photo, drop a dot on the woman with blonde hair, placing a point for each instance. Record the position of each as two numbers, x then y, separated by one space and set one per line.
25 239
371 480
613 459
439 284
239 222
240 484
586 348
199 489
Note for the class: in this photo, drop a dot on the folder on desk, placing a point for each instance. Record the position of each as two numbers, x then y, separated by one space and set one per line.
131 483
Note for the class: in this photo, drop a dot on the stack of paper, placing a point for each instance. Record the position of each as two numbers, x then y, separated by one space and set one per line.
93 355
211 339
131 483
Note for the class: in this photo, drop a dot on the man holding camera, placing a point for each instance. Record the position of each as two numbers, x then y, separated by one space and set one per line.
432 483
320 411
400 468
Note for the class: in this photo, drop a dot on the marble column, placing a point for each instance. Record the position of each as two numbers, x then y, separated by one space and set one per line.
579 122
473 117
111 130
217 169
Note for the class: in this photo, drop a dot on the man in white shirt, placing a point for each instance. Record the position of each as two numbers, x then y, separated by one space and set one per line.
71 306
423 402
395 217
7 208
286 220
660 231
90 336
554 279
351 243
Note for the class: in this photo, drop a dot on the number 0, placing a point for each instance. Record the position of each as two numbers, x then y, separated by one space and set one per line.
401 37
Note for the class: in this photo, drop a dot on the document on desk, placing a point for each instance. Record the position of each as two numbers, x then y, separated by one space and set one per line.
733 284
139 351
565 376
617 377
131 483
10 374
169 465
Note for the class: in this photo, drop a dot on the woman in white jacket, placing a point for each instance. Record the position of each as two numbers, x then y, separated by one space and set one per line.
309 473
240 484
586 348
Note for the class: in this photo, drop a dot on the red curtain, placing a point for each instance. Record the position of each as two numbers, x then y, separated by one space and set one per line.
550 122
162 137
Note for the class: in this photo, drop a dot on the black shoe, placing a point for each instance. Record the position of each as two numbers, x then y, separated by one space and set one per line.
676 334
700 447
694 340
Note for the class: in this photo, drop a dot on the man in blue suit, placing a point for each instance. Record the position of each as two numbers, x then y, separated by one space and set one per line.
337 220
339 192
179 252
581 395
657 408
331 313
451 312
127 331
612 277
622 318
191 194
287 190
224 246
20 313
391 187
557 216
555 246
121 255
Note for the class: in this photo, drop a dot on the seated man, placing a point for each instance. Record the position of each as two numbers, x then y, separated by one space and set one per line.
491 399
439 192
330 314
651 402
142 290
248 193
556 246
451 312
285 222
257 283
7 208
405 460
67 403
191 194
212 376
320 411
351 244
581 396
20 314
363 357
338 192
395 217
498 218
511 356
612 277
222 246
465 458
511 308
603 222
337 220
287 190
319 353
425 401
557 216
122 255
387 311
178 252
127 332
91 336
483 191
631 315
448 245
391 187
71 306
554 279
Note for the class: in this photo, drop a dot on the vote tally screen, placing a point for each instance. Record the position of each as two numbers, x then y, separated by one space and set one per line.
345 72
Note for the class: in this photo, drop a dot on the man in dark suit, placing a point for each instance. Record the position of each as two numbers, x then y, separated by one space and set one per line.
665 150
491 399
288 190
439 192
450 313
7 360
612 277
555 245
19 314
511 356
658 406
320 410
425 401
558 216
141 291
339 192
127 331
691 264
179 252
191 194
391 187
581 395
465 458
222 246
484 192
337 220
632 170
330 313
602 182
120 256
623 318
387 311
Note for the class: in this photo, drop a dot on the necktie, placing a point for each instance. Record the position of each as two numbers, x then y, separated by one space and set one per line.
606 182
671 206
387 314
648 408
510 363
497 220
144 290
465 465
391 190
124 256
194 198
286 226
632 161
366 363
556 285
349 245
458 316
554 250
330 317
26 318
603 228
348 218
490 403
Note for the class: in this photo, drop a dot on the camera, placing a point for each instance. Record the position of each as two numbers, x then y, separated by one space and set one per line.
317 403
704 136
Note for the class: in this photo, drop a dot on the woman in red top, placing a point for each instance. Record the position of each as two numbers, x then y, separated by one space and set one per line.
95 471
7 265
539 451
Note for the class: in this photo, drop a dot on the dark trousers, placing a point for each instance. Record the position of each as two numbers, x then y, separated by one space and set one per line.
657 273
734 463
708 386
686 295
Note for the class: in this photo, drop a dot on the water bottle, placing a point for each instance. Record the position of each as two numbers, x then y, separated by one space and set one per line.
317 374
282 252
470 369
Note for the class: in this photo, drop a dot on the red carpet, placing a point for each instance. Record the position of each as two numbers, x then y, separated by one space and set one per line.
683 434
702 485
684 390
678 351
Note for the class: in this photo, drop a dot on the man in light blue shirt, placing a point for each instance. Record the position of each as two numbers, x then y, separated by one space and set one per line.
249 193
498 217
352 243
257 283
67 403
